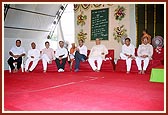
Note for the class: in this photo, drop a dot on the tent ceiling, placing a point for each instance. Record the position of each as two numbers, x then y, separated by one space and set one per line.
41 8
22 19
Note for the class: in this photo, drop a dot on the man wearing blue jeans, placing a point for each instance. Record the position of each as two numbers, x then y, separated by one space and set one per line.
80 54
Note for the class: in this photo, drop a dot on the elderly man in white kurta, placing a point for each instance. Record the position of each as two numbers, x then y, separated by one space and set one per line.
47 55
128 53
145 52
33 56
97 53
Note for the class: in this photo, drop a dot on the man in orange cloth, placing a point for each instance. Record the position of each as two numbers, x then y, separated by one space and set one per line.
145 34
72 54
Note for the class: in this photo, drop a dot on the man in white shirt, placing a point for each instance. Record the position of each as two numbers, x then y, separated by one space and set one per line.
128 53
16 54
47 55
145 52
33 56
61 57
97 53
80 54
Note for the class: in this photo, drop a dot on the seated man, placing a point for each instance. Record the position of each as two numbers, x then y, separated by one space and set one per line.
16 54
80 54
47 55
61 57
128 53
145 52
97 53
34 56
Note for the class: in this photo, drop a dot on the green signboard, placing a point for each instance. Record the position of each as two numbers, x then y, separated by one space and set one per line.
99 24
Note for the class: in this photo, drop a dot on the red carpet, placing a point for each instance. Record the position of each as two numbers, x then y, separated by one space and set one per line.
82 91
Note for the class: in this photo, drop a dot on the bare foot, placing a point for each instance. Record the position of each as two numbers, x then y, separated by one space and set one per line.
15 70
44 71
140 72
96 70
143 72
128 72
27 71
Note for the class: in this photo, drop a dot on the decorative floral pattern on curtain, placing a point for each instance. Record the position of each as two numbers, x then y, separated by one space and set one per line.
86 6
82 35
119 31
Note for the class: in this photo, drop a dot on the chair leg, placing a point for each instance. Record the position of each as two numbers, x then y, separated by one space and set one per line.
9 69
22 67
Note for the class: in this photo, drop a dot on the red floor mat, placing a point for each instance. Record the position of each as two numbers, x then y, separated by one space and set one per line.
82 91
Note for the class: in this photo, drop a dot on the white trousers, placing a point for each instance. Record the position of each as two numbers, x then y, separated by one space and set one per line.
35 61
92 62
139 63
128 61
45 59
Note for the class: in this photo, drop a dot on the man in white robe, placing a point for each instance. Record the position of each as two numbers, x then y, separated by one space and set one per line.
97 53
33 56
145 52
128 53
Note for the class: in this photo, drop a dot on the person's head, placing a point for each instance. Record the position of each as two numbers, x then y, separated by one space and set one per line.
18 43
80 42
47 44
33 45
145 40
61 44
144 32
73 45
127 41
98 41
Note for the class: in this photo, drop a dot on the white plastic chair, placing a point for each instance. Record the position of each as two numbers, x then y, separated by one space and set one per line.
22 66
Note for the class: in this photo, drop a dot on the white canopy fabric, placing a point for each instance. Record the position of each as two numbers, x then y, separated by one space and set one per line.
22 16
29 23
